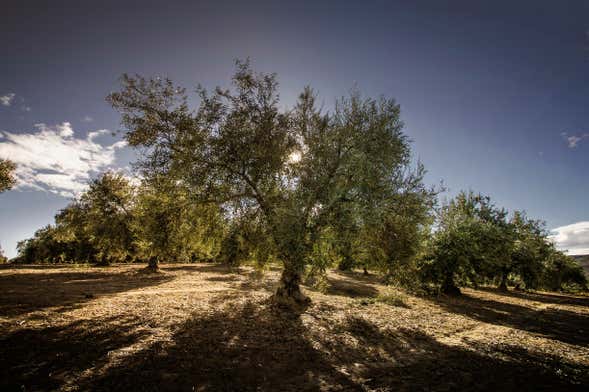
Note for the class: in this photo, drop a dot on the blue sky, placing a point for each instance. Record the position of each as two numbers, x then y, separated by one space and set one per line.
494 94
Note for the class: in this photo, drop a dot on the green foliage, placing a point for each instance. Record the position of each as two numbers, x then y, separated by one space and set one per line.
475 242
7 179
45 247
169 227
296 172
471 241
563 272
530 250
114 221
108 208
400 231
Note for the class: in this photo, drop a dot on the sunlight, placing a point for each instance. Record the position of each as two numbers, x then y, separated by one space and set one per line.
295 157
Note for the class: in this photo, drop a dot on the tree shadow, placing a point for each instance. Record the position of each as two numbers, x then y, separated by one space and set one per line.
350 287
45 359
546 298
243 346
224 278
28 292
358 276
406 359
563 325
250 346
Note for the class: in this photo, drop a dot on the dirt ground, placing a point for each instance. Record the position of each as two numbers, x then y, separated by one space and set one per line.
205 327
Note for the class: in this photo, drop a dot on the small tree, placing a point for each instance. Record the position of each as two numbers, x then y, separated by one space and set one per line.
530 250
169 227
72 228
471 240
561 270
108 207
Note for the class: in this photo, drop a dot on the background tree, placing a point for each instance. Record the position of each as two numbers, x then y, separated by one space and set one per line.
529 252
294 168
561 270
108 207
171 228
43 247
72 227
7 179
401 228
471 241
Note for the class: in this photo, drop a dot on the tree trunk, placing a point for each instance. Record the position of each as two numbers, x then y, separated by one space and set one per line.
346 264
503 284
152 264
448 287
289 294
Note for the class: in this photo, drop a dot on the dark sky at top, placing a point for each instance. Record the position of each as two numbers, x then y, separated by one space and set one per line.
491 91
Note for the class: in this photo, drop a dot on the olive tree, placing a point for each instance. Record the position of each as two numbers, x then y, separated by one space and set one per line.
295 169
168 227
107 216
7 179
472 240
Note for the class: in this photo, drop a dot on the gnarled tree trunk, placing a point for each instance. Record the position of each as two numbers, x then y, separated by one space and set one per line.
449 287
152 264
346 264
503 284
289 294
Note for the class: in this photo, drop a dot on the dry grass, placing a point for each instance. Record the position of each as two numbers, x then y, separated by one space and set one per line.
205 327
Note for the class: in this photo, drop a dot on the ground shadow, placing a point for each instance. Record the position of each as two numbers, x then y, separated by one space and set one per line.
223 278
350 287
407 359
243 346
45 359
359 276
28 292
249 346
558 324
218 268
546 298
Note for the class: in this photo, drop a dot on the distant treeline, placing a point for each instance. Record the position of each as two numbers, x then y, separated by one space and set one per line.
241 179
469 241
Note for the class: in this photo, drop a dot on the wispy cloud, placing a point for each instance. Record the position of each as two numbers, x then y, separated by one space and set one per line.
6 100
53 159
574 140
87 119
572 238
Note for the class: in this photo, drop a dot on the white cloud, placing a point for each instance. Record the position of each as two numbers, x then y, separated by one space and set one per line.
52 159
572 238
65 129
87 119
574 140
6 100
94 134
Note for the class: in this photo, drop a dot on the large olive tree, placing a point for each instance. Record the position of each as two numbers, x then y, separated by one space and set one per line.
294 169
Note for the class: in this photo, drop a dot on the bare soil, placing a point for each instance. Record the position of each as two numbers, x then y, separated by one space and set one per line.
206 327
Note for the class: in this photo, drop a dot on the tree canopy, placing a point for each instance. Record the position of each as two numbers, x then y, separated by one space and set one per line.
298 171
7 179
